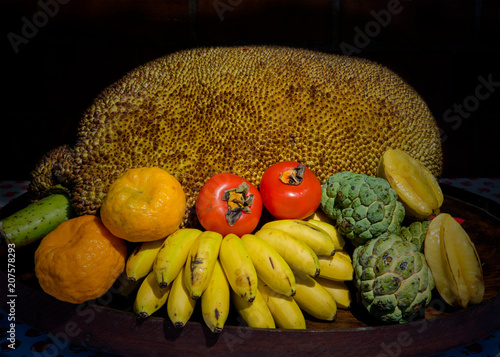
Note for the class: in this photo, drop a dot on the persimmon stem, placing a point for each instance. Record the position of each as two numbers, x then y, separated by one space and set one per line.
293 176
238 202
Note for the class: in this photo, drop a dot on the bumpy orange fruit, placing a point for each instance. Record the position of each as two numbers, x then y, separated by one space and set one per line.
79 260
144 204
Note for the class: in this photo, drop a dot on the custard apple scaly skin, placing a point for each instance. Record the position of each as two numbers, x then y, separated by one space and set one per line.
415 234
363 207
393 280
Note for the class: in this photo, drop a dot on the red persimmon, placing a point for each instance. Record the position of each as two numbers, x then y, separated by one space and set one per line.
290 190
229 204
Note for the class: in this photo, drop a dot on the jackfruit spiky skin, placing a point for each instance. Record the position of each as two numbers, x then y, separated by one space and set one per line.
55 168
203 111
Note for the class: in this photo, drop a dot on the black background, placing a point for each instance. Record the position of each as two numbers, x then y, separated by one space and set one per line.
442 48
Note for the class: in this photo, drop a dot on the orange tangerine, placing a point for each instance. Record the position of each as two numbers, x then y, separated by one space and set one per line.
144 204
79 260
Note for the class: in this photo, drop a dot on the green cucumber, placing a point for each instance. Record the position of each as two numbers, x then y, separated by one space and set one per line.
36 220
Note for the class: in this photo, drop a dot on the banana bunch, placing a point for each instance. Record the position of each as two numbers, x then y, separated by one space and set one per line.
270 278
314 251
177 272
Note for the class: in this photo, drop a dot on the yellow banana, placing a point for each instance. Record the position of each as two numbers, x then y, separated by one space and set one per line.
215 301
339 291
270 265
140 262
296 253
345 255
180 306
285 311
338 240
339 267
319 215
314 299
238 267
256 313
200 262
173 254
319 240
150 297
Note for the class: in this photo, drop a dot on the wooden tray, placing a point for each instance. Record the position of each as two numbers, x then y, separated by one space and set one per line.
108 325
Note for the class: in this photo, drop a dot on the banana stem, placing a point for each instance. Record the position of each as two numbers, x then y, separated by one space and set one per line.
36 220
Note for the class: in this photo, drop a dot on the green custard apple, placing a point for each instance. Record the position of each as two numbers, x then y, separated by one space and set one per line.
415 233
363 207
393 280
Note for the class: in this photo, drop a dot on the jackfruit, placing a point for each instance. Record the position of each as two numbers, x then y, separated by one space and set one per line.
202 111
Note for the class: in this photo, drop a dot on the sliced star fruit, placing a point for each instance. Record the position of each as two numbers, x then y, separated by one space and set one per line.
417 188
454 262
